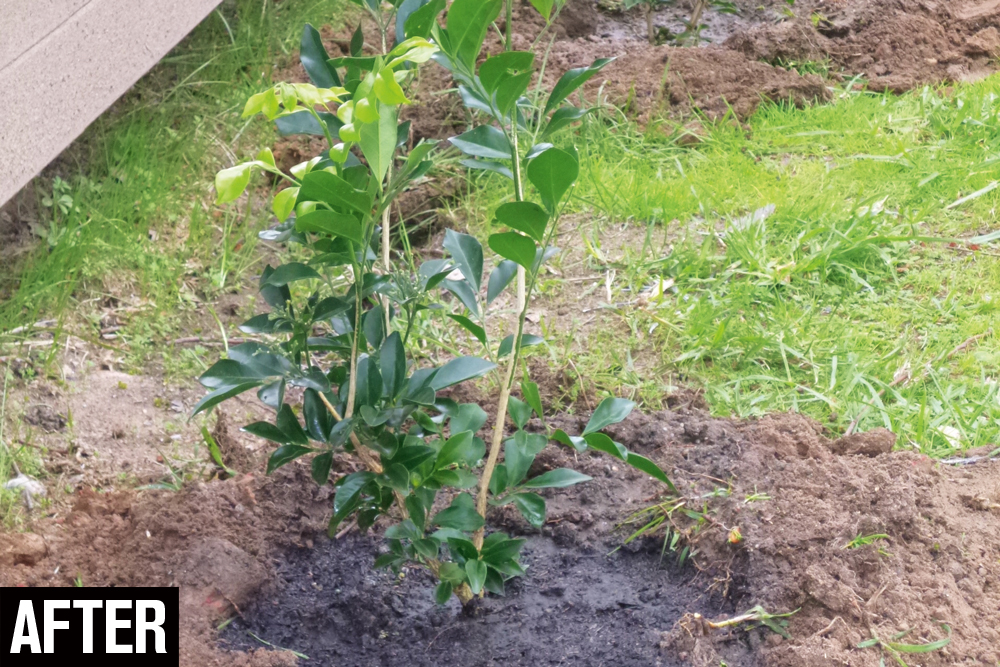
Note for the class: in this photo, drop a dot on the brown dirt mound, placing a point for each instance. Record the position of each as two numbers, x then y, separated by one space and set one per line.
940 561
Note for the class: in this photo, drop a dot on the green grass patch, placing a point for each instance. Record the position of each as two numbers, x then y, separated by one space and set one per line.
839 298
132 218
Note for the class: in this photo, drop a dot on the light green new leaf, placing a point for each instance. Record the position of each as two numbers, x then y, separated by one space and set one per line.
284 203
378 140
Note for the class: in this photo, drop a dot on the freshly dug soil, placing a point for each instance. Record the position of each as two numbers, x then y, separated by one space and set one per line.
246 546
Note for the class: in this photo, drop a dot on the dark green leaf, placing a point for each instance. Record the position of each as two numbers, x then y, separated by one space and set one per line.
524 216
470 417
610 411
520 452
405 530
314 56
467 23
510 90
470 326
422 13
498 481
392 360
413 456
322 186
531 395
458 478
527 340
427 548
603 443
290 273
329 307
228 373
520 412
285 454
258 324
488 165
515 247
373 326
502 66
500 548
350 488
443 592
577 443
556 479
267 431
468 255
462 547
484 141
452 573
494 582
395 476
289 425
303 122
272 394
460 448
500 277
321 468
572 80
476 571
322 221
373 416
369 386
552 173
222 393
532 507
417 511
460 515
645 465
358 38
561 118
464 292
460 369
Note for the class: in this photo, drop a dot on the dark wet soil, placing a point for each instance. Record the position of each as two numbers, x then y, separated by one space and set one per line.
576 606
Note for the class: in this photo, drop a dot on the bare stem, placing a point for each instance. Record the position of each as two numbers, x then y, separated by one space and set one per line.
362 451
519 196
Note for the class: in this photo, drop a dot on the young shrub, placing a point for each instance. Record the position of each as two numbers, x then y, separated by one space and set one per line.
340 323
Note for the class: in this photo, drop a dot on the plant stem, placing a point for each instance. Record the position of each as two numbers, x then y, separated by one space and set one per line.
508 46
649 23
361 450
353 386
386 262
519 196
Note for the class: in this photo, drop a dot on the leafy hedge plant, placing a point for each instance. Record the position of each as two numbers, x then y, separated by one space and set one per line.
341 323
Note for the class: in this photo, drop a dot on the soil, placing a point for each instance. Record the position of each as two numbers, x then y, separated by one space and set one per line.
255 547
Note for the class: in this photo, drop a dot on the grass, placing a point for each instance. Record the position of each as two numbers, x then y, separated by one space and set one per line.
127 222
810 262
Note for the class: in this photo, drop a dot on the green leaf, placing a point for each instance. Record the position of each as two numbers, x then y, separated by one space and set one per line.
289 425
520 452
404 530
290 273
459 546
467 23
470 418
452 573
476 571
458 478
500 277
532 507
468 255
460 448
373 326
415 508
544 8
515 247
460 515
318 419
459 370
272 394
572 80
348 491
285 454
230 183
530 392
331 307
284 203
396 477
378 140
498 548
501 67
463 292
488 165
556 479
414 18
645 465
494 582
228 372
498 481
603 443
470 326
267 431
303 122
484 141
577 443
322 186
443 592
520 412
392 360
510 90
610 411
321 468
524 216
322 221
552 173
563 117
527 340
222 393
427 548
314 56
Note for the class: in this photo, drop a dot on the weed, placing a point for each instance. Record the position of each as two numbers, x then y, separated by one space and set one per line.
895 649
